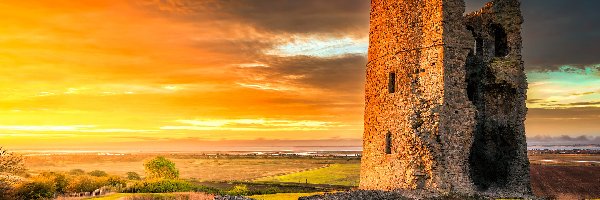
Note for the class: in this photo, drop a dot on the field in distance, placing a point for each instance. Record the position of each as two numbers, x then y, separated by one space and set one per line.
552 175
199 167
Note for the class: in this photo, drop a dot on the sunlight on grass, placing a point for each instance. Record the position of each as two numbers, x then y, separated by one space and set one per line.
111 197
335 174
283 196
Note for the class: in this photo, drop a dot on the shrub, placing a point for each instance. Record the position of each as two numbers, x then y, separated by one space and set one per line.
133 176
167 186
160 167
76 172
60 180
98 173
239 190
10 166
116 181
35 190
86 183
10 163
161 186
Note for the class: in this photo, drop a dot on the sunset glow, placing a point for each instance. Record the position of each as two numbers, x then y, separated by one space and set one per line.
99 73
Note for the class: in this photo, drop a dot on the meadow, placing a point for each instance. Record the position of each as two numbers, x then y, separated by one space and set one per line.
202 168
289 177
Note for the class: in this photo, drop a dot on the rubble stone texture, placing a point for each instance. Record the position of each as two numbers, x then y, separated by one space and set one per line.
445 98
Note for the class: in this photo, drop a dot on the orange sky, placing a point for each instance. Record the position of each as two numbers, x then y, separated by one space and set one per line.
102 73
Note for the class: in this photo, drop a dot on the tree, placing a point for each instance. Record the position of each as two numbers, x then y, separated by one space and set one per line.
10 165
133 176
160 167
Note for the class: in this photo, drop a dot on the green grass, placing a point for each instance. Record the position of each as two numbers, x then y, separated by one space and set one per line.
335 174
282 196
163 196
111 197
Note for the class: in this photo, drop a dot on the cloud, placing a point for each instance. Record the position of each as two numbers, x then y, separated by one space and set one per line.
253 125
332 17
563 140
567 86
343 75
70 128
321 47
565 121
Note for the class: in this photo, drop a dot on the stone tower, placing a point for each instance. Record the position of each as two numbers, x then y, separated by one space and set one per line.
445 98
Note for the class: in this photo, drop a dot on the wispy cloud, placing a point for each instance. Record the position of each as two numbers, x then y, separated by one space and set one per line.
321 47
254 125
70 128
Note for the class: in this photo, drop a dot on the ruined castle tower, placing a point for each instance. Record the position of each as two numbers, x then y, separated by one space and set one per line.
445 98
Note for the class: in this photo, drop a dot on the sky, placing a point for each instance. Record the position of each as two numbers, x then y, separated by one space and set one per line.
125 74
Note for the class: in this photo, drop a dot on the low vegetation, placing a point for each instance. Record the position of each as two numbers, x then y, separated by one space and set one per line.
180 176
166 186
11 170
160 167
335 174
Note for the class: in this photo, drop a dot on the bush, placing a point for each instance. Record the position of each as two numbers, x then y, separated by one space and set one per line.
167 186
76 172
133 176
116 181
60 180
239 190
11 163
35 190
86 183
98 173
160 167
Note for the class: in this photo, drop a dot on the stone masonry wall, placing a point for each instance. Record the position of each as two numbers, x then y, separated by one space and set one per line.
405 39
420 119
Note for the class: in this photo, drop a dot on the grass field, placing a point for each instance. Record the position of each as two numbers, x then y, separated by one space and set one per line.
164 196
565 159
203 169
552 175
335 174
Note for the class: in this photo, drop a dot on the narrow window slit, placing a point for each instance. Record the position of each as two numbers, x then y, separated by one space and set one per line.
392 83
388 143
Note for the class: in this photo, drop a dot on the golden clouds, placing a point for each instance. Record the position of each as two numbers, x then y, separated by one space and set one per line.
104 72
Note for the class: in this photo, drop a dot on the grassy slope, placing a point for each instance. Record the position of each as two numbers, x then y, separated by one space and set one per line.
335 174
